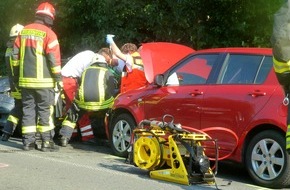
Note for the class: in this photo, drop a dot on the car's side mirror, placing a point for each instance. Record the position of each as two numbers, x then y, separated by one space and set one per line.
159 80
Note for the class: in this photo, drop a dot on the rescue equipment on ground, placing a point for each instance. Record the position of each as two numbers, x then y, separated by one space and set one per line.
171 153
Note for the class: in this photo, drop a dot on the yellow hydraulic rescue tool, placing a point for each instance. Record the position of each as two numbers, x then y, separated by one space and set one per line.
171 153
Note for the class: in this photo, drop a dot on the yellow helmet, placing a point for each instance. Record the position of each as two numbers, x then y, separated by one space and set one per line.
15 30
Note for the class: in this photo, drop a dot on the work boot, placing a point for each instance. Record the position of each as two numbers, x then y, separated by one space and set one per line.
38 144
63 141
28 147
38 141
49 146
5 137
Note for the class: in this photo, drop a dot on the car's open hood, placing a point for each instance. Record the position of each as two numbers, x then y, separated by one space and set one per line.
159 56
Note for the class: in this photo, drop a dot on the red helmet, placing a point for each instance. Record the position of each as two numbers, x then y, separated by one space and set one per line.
46 9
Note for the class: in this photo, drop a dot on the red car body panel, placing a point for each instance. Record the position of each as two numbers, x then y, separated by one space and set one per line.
225 112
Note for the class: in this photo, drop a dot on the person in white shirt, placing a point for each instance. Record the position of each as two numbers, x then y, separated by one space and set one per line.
93 99
72 71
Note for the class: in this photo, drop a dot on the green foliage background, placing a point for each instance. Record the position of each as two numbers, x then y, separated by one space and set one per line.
83 24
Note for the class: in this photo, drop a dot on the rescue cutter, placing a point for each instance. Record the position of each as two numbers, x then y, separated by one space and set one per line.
171 153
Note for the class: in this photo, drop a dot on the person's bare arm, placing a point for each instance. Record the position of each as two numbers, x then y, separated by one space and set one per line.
117 51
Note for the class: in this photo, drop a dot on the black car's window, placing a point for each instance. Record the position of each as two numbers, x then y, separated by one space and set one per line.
195 70
242 69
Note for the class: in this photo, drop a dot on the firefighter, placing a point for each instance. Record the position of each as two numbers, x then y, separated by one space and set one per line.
282 71
72 71
133 76
94 96
16 113
37 53
281 58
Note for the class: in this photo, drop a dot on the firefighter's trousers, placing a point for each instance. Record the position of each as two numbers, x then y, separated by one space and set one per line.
284 80
84 124
38 107
14 117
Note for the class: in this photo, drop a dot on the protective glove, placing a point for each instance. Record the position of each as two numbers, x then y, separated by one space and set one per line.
72 113
58 87
109 38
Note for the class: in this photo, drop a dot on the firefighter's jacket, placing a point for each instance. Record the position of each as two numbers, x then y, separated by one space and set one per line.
37 54
96 88
281 66
15 92
280 40
136 78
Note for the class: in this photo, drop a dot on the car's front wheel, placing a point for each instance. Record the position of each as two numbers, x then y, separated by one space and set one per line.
267 161
120 131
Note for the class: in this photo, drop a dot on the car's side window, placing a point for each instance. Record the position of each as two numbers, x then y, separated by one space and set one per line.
264 70
195 70
240 69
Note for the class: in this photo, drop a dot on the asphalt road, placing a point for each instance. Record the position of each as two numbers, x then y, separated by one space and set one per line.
91 166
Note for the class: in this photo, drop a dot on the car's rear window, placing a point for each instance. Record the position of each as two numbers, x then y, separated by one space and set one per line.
245 69
264 70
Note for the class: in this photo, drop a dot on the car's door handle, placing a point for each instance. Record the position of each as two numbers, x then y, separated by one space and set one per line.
257 93
196 93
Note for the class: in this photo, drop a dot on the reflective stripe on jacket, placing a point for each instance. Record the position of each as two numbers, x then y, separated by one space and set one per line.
281 66
38 53
12 68
96 89
137 61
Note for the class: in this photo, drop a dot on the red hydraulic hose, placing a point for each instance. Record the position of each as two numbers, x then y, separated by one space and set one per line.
204 131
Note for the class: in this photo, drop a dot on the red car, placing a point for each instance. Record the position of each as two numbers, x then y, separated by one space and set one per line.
231 94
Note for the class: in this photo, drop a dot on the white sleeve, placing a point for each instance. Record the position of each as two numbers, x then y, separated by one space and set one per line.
129 62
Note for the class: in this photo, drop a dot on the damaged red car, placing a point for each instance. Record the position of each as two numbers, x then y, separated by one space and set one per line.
231 94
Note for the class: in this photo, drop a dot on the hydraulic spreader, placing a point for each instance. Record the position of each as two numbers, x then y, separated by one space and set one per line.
171 153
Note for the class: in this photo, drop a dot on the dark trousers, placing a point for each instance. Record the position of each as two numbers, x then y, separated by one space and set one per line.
37 114
83 122
14 117
284 80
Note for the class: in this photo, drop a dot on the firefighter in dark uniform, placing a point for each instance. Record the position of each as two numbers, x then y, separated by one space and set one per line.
94 96
16 113
37 52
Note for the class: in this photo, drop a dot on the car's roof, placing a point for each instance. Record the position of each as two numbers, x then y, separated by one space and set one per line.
247 50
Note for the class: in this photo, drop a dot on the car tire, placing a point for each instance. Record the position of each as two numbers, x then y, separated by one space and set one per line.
267 161
120 134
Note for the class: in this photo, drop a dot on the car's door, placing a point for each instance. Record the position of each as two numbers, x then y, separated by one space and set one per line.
233 101
182 95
